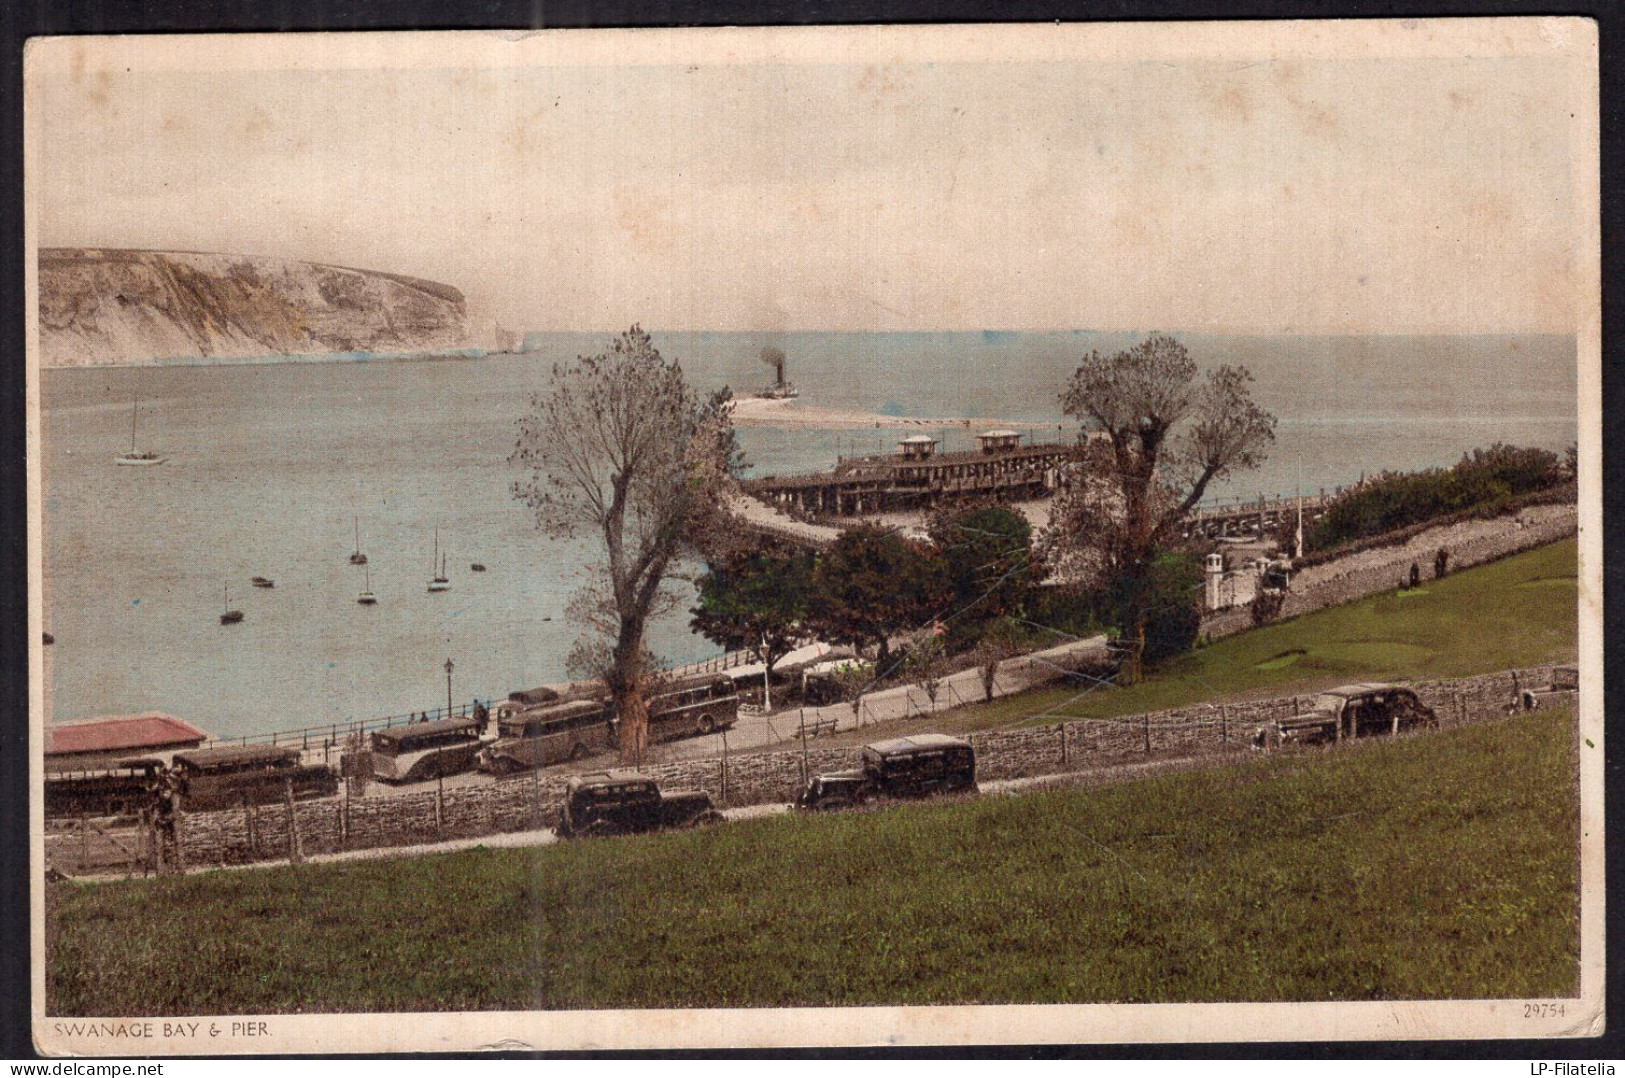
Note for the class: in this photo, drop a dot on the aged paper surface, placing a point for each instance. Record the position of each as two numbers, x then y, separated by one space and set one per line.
922 224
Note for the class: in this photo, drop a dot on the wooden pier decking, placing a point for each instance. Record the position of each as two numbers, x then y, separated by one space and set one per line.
859 485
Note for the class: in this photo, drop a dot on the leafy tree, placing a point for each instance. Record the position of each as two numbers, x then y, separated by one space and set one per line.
926 663
999 640
1155 436
621 447
755 600
987 552
1481 480
1171 604
871 584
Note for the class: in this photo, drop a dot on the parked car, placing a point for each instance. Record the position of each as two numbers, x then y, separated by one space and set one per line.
1364 710
916 766
1563 689
623 802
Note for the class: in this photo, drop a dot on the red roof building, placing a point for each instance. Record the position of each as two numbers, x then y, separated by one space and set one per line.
98 742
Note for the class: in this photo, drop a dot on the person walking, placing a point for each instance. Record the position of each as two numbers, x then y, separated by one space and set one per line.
1441 562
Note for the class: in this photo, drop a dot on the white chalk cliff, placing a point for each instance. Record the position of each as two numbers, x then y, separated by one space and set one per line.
103 306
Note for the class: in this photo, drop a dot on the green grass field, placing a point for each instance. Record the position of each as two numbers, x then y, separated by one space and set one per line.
1518 611
1439 866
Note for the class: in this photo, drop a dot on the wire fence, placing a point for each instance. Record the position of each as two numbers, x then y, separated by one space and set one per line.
325 737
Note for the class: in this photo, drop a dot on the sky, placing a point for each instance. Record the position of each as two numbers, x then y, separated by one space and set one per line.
691 189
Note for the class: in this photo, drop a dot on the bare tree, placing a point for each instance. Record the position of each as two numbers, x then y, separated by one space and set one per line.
1156 436
620 446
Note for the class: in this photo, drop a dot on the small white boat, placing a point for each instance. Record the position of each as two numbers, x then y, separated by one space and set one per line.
367 598
134 458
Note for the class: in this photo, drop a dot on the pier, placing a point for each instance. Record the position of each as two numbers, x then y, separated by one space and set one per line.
1251 519
918 477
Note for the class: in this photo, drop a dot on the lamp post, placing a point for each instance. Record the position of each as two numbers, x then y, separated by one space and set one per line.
450 666
440 771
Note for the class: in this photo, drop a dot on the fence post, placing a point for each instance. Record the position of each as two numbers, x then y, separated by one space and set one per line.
1224 724
536 793
805 776
84 843
295 854
725 768
248 823
1146 719
1062 725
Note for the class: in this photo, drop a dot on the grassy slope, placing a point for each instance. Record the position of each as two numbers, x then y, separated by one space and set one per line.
1438 866
1515 612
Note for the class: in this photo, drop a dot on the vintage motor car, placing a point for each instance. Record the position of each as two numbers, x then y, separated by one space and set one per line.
916 766
1368 709
1564 689
623 802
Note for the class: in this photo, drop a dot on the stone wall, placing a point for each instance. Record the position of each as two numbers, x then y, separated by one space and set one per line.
532 802
1470 543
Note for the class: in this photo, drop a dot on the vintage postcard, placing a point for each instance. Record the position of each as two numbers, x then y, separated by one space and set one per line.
815 536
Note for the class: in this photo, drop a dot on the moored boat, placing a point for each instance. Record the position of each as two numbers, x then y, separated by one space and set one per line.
135 458
439 582
358 558
366 597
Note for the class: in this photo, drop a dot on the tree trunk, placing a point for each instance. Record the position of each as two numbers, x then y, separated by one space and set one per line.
626 690
634 727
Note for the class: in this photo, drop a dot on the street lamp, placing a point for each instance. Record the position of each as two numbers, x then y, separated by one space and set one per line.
440 770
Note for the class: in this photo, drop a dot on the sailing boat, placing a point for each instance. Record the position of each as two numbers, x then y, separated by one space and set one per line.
358 558
133 457
367 598
230 617
438 567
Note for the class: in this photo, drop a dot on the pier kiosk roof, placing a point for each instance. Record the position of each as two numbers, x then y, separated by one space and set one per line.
107 739
996 441
917 446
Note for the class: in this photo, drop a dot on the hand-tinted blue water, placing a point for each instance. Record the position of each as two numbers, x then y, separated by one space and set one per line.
268 464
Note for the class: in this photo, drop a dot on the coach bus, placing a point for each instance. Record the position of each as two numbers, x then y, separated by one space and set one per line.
574 729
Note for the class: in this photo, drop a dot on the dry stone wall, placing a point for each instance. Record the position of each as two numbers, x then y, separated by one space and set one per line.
283 832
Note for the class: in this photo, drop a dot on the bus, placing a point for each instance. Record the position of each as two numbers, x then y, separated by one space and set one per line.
689 708
425 750
574 729
258 774
546 735
121 788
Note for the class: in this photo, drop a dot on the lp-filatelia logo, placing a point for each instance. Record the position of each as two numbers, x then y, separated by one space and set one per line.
1571 1070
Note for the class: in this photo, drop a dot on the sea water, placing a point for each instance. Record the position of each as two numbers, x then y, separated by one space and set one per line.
270 464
